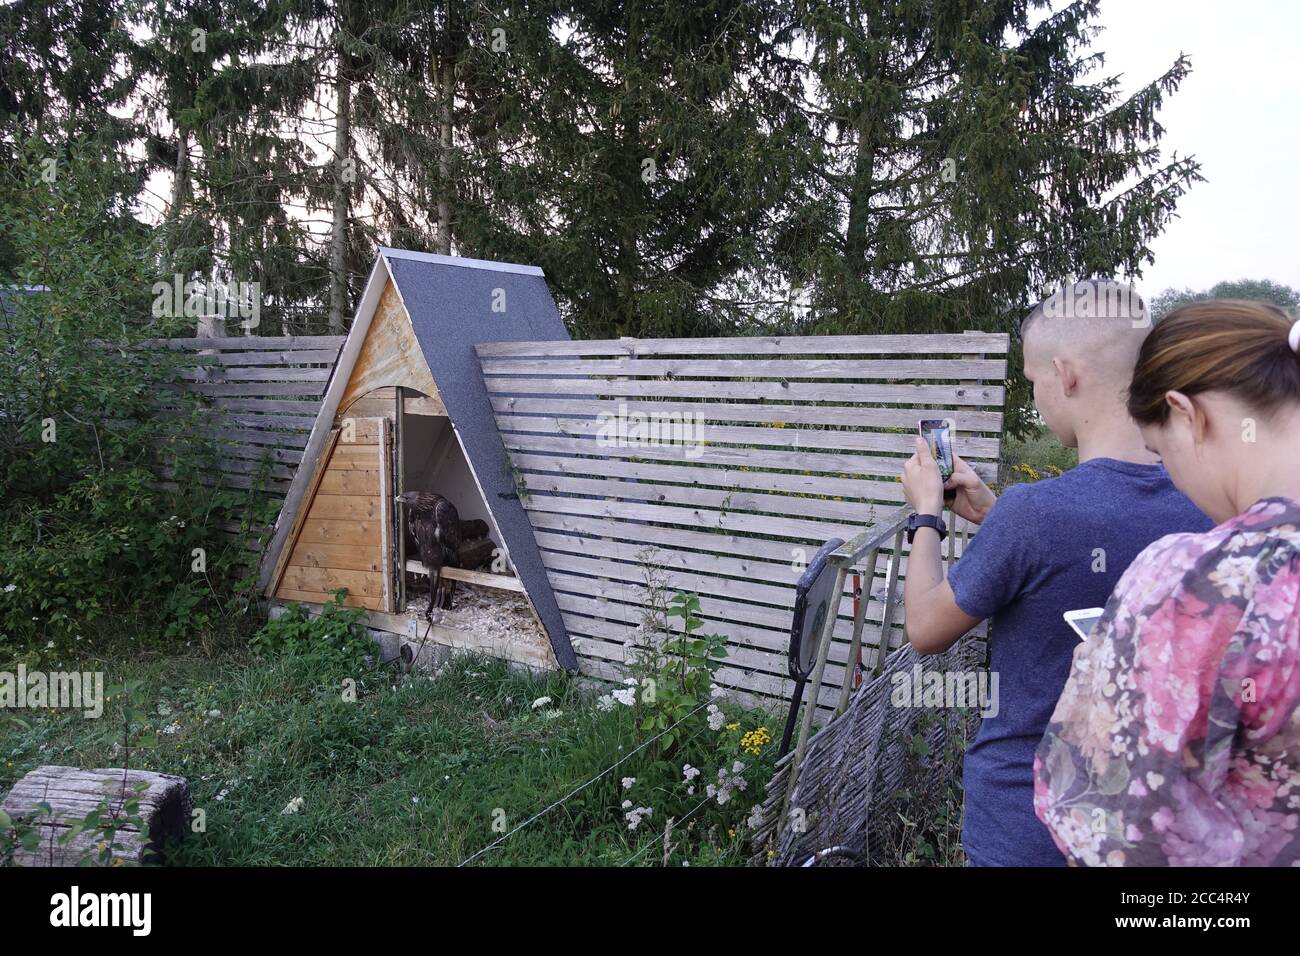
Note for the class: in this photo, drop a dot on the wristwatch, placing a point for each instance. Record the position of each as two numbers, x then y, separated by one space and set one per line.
915 521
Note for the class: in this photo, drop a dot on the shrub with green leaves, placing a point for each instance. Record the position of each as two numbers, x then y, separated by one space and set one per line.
85 527
334 636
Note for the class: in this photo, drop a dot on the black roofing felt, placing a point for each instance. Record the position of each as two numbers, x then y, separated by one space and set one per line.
450 302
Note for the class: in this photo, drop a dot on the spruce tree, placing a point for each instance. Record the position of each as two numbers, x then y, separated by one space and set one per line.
966 161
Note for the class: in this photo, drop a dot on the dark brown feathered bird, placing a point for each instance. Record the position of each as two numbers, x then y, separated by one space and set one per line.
435 524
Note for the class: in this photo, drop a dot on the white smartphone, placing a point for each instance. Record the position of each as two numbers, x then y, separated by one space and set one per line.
1083 620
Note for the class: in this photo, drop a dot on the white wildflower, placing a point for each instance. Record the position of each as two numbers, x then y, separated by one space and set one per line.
10 588
293 806
540 702
605 703
625 697
627 782
689 772
635 816
716 717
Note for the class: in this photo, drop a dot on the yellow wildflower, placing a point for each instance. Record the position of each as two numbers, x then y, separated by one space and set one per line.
754 741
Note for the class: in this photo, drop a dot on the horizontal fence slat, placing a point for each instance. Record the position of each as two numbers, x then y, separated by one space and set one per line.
799 528
217 375
955 344
257 420
944 369
707 475
251 342
964 419
755 458
261 389
687 433
721 499
253 436
270 358
777 391
306 407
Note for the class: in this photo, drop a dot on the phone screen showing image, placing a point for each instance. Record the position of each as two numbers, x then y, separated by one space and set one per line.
937 433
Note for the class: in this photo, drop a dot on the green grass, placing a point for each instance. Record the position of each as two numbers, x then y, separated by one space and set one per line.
416 771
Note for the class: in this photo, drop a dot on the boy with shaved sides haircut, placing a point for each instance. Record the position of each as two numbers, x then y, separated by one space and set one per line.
1042 549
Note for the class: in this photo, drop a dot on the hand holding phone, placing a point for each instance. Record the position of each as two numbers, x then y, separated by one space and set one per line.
967 494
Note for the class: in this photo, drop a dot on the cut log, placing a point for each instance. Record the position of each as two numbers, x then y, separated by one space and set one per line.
475 554
71 793
472 529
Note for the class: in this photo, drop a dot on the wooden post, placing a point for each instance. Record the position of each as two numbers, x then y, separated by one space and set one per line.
891 602
210 327
859 616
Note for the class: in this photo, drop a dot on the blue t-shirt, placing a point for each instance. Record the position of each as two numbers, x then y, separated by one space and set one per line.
1046 548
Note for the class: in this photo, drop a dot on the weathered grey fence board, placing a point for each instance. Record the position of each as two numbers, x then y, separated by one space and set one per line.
263 358
785 438
784 391
858 416
989 343
305 389
753 368
763 459
717 477
242 343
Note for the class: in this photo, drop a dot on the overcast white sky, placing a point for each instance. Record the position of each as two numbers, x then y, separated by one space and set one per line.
1239 114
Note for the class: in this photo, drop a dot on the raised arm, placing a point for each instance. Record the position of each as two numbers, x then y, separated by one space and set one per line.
932 618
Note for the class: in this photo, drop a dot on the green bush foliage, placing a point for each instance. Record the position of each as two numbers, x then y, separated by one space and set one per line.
85 527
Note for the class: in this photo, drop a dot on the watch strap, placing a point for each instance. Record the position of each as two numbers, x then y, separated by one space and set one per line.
925 521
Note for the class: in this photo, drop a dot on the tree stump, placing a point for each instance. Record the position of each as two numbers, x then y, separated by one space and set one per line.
71 793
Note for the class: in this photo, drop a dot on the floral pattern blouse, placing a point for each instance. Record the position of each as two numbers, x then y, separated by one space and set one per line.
1176 741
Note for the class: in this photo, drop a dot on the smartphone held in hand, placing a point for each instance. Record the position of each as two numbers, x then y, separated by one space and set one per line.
937 433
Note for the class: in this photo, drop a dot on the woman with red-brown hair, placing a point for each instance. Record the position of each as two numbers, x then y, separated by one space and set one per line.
1177 738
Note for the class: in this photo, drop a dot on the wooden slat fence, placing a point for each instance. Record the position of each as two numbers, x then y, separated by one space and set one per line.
260 396
766 448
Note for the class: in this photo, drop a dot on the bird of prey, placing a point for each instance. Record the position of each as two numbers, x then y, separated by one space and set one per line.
435 525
